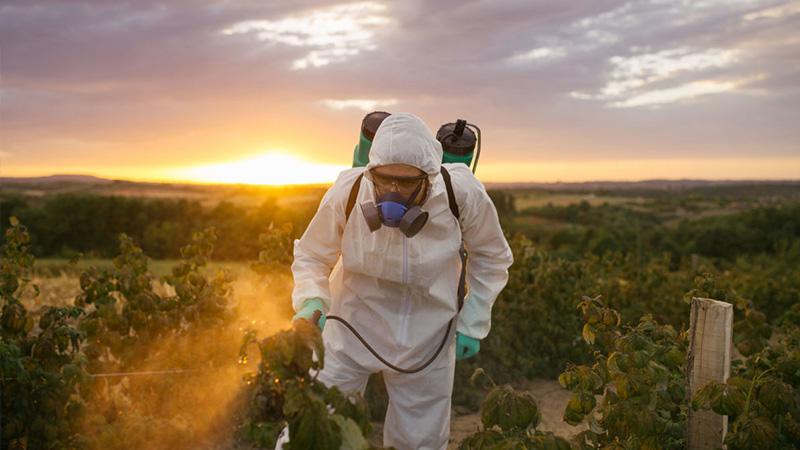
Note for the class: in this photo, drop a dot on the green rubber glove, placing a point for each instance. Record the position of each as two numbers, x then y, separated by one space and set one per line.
466 347
307 311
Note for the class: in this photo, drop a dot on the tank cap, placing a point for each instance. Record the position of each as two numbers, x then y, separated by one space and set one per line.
456 138
371 122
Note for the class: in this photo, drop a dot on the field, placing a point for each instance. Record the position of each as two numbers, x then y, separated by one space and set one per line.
59 284
170 335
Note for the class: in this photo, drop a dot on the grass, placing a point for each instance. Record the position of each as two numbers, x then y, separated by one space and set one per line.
526 200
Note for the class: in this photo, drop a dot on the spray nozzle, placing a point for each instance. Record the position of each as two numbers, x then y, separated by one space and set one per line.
458 130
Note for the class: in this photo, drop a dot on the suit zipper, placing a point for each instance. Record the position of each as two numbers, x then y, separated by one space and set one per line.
406 300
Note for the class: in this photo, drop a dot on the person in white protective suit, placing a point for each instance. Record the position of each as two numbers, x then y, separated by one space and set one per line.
398 292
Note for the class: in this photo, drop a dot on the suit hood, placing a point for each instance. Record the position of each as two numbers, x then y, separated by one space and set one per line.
404 138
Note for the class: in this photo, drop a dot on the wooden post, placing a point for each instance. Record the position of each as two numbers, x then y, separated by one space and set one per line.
708 358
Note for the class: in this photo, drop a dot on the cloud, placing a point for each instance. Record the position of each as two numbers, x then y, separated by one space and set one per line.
683 92
538 54
659 52
649 67
333 34
359 103
632 77
775 12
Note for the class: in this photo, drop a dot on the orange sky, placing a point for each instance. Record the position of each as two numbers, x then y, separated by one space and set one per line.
568 91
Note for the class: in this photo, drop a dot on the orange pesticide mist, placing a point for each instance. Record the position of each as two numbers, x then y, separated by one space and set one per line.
201 406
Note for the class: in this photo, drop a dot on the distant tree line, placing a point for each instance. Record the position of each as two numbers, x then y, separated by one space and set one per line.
66 224
579 228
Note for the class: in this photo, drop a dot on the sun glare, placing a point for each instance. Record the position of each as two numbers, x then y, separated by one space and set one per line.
273 168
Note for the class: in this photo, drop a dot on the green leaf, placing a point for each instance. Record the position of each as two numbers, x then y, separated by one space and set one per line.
777 396
509 409
548 441
752 433
481 440
353 407
352 439
674 357
707 395
610 318
588 334
310 424
580 404
730 401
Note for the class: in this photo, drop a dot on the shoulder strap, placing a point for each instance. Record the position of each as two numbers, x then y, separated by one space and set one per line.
451 196
462 252
351 200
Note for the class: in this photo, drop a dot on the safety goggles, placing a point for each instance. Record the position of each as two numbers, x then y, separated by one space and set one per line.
399 183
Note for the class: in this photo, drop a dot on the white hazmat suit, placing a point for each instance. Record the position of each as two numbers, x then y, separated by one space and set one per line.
398 292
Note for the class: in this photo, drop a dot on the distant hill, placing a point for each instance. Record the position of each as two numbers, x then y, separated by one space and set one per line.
36 188
66 178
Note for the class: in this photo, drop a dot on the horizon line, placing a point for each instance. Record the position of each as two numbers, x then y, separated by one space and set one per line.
201 183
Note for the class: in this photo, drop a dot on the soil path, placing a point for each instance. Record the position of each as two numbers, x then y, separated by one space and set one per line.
550 396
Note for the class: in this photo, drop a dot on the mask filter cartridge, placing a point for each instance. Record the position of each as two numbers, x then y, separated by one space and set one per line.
392 211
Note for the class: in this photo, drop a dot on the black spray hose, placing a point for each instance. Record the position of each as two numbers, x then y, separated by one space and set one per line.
384 361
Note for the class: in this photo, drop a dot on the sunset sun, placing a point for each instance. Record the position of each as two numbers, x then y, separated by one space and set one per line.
272 168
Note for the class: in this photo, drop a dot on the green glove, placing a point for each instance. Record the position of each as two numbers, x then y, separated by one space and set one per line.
310 306
466 347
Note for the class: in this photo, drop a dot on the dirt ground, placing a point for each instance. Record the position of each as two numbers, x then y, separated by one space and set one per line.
552 399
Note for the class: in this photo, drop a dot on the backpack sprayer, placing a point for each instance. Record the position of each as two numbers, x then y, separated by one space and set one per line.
460 142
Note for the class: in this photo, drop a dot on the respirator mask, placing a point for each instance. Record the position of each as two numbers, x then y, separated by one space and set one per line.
394 209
